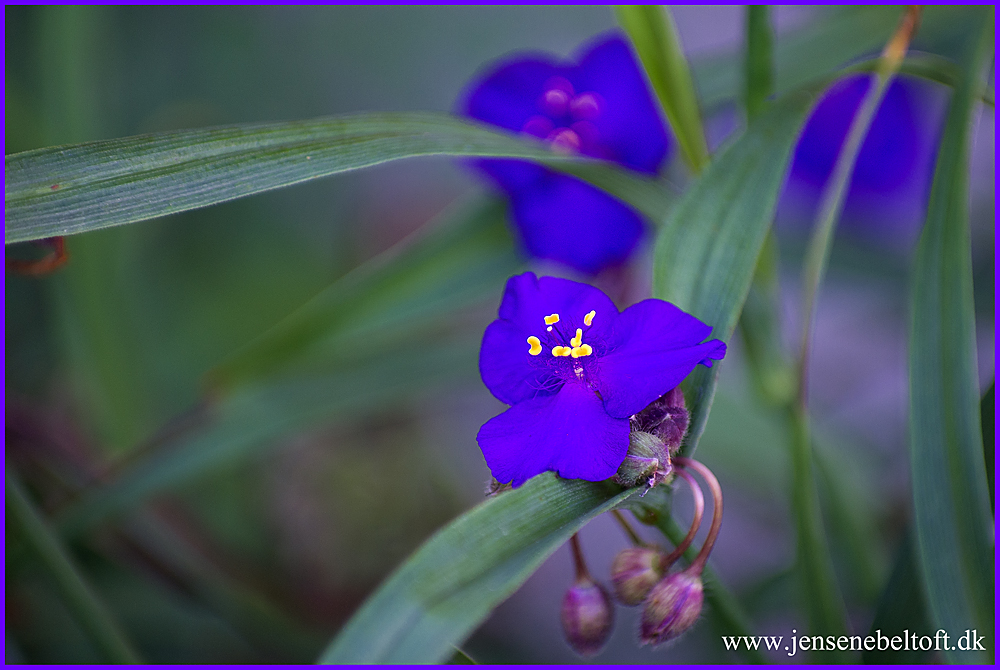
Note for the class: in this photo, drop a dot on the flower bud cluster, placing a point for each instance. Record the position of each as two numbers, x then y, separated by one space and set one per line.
671 601
641 574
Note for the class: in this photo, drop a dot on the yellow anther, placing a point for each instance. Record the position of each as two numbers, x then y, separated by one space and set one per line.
561 351
549 329
581 351
536 346
578 340
551 318
589 319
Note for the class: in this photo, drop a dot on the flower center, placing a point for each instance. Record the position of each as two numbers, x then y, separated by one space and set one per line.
566 118
576 347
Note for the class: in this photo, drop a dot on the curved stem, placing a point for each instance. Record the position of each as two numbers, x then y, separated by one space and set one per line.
713 531
632 535
827 611
699 511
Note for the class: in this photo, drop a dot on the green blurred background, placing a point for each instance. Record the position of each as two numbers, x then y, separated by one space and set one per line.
261 559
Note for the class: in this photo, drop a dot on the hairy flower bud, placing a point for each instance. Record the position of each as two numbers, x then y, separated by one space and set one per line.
672 608
646 461
587 616
634 572
667 418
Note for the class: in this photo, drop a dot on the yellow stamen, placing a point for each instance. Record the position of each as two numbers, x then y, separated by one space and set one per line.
551 318
589 319
549 329
582 350
561 351
578 340
536 346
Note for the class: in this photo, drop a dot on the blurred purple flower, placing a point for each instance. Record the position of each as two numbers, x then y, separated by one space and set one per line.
574 370
601 107
892 174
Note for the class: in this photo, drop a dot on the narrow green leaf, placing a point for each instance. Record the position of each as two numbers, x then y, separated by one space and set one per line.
461 658
987 414
802 55
900 608
707 250
459 259
655 38
254 418
822 596
92 615
452 583
759 59
838 37
955 533
759 321
72 189
361 344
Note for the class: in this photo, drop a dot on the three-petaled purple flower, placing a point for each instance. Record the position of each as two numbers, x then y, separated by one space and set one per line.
574 370
602 108
892 174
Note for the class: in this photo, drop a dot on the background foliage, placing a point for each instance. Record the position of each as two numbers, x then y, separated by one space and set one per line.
226 426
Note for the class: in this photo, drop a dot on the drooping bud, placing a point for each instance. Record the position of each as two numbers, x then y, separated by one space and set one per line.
667 418
634 572
587 616
673 606
646 461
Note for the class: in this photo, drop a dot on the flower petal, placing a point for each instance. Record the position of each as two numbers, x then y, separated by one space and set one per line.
512 176
888 155
527 300
629 124
658 345
508 95
564 219
568 432
509 372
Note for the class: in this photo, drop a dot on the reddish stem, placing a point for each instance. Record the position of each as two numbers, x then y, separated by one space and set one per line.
52 261
578 563
699 511
713 532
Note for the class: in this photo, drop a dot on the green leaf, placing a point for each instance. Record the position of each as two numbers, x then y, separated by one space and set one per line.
359 346
655 38
72 189
455 261
88 609
955 534
759 321
707 250
987 415
802 55
759 59
452 583
254 418
900 608
839 37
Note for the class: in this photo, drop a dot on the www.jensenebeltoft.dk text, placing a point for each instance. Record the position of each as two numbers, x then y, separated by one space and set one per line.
970 640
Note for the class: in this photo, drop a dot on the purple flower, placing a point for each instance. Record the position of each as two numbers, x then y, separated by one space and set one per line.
889 185
574 370
601 107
